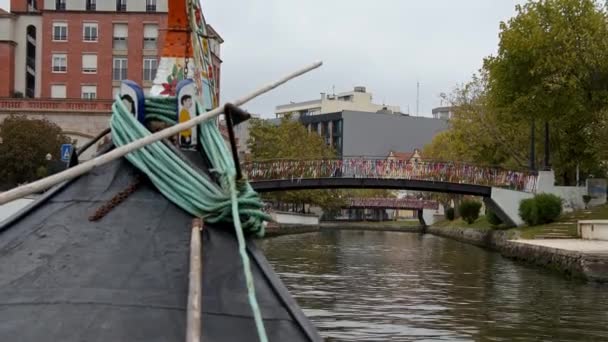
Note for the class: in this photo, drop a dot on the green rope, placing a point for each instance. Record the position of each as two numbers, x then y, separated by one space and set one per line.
230 203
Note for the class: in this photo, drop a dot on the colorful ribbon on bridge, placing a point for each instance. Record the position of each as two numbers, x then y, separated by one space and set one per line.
391 169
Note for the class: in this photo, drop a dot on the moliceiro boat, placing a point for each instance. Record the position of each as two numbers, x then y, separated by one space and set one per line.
155 245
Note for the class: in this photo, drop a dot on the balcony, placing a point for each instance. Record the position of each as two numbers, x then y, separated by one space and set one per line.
150 8
121 7
38 106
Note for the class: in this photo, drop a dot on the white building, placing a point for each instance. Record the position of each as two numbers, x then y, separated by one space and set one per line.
444 113
357 100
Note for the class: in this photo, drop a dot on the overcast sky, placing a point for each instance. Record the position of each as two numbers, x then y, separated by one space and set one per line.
385 45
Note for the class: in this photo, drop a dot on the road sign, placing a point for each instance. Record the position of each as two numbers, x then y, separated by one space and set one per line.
66 152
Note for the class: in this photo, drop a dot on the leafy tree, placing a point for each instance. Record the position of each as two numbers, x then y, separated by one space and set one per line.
289 139
24 144
477 135
552 66
469 210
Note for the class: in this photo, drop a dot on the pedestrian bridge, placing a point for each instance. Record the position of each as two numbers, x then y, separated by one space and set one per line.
502 189
450 177
408 203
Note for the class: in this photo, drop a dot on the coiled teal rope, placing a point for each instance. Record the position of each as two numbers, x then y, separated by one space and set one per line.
230 203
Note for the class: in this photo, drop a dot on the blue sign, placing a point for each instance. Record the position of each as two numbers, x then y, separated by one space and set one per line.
66 152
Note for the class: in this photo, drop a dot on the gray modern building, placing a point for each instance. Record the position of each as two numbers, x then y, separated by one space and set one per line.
366 134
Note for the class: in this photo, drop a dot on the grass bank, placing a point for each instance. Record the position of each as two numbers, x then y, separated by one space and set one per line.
564 227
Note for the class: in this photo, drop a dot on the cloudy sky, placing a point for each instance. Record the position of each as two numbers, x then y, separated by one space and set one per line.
385 45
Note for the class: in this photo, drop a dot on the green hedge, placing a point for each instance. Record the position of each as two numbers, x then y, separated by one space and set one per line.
492 218
450 214
469 210
543 208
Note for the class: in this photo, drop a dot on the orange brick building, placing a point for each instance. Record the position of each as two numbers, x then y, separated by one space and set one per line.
82 49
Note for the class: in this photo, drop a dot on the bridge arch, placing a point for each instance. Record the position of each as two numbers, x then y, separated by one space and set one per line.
263 186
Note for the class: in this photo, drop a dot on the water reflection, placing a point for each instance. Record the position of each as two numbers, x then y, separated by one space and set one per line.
379 286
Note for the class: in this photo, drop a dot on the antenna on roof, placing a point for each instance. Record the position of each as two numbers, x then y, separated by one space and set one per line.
417 98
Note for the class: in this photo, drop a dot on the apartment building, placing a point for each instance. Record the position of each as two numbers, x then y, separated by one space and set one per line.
83 48
357 100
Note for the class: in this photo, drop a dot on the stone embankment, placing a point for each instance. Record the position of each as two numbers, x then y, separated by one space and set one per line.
577 258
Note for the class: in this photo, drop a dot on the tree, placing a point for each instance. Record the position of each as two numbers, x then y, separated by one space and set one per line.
476 134
552 66
289 139
24 144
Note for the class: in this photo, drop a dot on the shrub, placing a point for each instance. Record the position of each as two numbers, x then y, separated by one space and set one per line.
493 218
543 208
469 210
549 207
586 200
528 211
41 172
449 214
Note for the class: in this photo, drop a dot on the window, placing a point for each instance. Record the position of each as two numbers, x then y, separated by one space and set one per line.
89 92
31 5
89 64
151 5
60 63
150 37
121 5
121 32
91 5
150 65
337 128
90 32
60 32
60 5
58 91
119 71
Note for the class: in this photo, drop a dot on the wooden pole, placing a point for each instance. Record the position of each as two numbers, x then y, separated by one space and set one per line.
195 298
119 152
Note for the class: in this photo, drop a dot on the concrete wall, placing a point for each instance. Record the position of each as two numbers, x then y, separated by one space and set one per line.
593 230
505 203
375 135
572 197
429 216
6 28
293 218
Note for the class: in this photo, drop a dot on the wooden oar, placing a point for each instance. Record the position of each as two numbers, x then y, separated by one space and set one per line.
119 152
195 289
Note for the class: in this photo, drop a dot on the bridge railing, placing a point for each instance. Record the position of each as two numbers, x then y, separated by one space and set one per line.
391 169
62 105
392 203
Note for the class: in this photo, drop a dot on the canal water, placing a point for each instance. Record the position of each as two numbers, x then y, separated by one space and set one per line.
383 286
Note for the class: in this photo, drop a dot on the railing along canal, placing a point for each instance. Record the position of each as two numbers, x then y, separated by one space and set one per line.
450 172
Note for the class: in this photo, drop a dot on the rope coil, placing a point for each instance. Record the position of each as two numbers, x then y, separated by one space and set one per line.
229 203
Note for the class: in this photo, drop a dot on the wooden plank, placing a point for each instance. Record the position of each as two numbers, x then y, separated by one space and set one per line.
195 299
